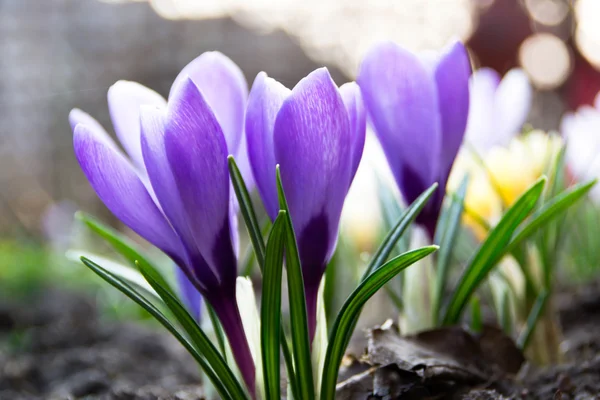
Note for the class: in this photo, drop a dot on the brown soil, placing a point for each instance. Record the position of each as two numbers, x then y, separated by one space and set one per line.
57 347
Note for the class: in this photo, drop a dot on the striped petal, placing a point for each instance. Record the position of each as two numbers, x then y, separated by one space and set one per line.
224 87
197 154
358 122
265 100
121 190
124 101
313 146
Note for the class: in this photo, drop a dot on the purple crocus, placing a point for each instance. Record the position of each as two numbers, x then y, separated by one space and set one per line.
418 106
174 190
316 134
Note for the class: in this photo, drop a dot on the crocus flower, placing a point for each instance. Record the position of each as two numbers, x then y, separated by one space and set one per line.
418 106
316 134
174 190
498 108
581 131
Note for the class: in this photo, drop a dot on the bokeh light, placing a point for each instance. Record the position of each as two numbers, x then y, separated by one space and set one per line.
546 59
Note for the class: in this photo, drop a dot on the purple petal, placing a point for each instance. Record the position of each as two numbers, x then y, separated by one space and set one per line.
197 153
124 101
166 191
512 105
452 79
121 190
190 295
313 145
401 98
265 100
358 122
224 88
76 116
480 126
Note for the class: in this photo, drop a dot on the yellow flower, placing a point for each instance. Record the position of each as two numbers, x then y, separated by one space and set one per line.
497 179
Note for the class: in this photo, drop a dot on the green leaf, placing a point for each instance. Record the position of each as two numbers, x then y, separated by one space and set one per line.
532 319
196 335
121 285
122 245
271 307
476 320
343 325
298 314
493 248
247 210
447 233
216 324
550 210
409 215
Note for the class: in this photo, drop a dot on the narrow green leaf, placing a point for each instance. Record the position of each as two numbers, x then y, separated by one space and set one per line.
532 319
247 210
123 246
505 315
409 215
550 210
216 324
343 325
447 234
298 313
197 336
271 307
493 248
476 320
122 286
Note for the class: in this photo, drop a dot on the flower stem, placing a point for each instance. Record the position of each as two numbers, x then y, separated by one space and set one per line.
229 315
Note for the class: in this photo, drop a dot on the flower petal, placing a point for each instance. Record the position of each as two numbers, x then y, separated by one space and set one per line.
358 122
167 193
401 98
266 97
512 105
190 295
76 116
121 190
197 154
224 87
124 101
480 127
313 145
452 79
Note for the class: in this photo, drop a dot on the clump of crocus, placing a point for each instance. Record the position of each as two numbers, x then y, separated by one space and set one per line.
316 133
174 189
418 106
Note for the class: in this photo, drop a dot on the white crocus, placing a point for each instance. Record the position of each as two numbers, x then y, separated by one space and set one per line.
581 131
498 108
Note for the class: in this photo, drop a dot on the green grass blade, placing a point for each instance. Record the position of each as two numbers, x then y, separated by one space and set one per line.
247 210
551 209
447 238
476 320
160 317
197 336
341 331
271 308
409 215
216 324
532 319
122 245
298 313
493 248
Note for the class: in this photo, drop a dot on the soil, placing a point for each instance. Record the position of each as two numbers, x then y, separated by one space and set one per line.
56 346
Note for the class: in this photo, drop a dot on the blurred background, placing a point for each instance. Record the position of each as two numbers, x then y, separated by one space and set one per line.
59 54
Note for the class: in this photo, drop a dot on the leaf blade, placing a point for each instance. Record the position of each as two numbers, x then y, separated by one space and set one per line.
343 325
